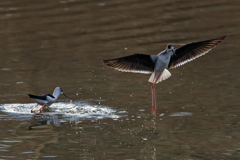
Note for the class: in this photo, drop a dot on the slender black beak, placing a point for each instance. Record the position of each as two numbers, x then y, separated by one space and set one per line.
66 96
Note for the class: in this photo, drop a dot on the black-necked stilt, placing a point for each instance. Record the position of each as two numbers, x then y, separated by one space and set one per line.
46 99
157 65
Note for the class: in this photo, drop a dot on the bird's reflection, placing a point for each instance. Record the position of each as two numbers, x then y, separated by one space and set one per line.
46 119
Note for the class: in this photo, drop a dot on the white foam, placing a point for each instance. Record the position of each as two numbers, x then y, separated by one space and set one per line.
72 111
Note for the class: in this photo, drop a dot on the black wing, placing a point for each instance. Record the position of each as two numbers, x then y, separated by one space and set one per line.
42 97
192 51
137 63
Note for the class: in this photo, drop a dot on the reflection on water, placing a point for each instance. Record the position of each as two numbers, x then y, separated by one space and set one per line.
63 43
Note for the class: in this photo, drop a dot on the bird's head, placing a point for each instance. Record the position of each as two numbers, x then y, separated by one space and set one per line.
170 49
60 90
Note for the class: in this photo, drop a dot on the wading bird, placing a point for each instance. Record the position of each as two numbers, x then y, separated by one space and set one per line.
158 65
46 99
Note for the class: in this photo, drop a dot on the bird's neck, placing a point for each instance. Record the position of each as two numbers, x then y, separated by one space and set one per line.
56 94
165 56
172 53
166 53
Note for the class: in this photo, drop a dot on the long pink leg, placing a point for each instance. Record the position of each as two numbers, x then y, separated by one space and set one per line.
153 93
42 107
155 102
33 108
153 99
153 86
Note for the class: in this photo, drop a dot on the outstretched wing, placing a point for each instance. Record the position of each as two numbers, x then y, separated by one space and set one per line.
192 51
137 63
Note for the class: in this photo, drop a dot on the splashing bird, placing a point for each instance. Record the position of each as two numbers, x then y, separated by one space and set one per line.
46 99
158 65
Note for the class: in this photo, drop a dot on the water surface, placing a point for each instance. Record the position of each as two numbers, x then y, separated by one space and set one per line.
45 44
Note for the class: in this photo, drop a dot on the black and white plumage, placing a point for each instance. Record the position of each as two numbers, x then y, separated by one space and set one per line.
158 65
46 99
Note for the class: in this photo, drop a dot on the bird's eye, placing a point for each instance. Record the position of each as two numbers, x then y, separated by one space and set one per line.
169 46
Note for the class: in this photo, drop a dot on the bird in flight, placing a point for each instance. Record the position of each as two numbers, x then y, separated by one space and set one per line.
158 65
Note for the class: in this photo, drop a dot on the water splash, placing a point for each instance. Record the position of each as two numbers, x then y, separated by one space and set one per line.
71 111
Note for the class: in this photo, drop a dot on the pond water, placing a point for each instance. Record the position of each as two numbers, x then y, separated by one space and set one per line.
45 44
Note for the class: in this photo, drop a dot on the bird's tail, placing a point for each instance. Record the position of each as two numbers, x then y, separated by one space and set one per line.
32 96
164 75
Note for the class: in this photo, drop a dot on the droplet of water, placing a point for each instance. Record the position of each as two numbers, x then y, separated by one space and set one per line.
5 69
101 4
161 114
62 1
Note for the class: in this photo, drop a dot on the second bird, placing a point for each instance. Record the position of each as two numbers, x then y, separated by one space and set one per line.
46 99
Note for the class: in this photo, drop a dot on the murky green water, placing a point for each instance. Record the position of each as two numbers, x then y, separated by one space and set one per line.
45 44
